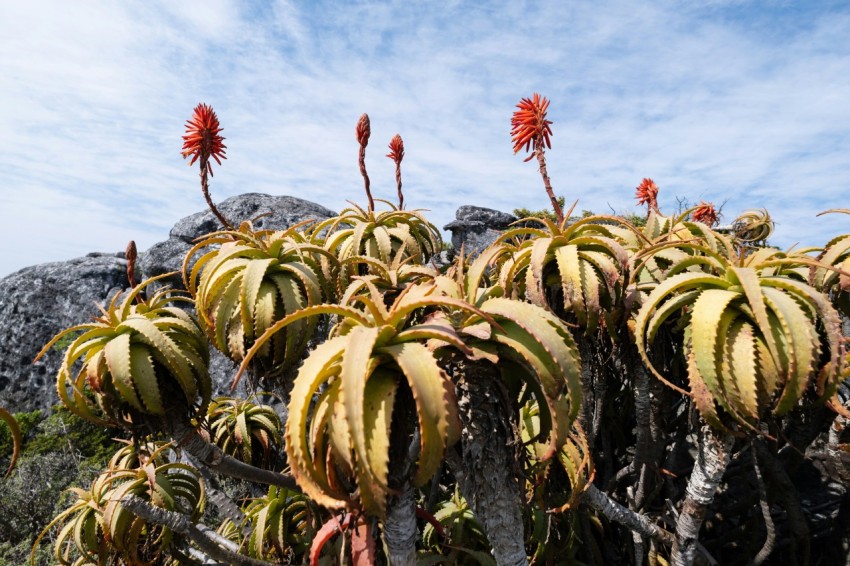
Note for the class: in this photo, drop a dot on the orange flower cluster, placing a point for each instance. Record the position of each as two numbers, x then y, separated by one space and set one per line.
203 139
529 124
647 193
705 213
396 149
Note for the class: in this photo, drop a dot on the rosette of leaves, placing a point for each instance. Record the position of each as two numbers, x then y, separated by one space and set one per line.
574 456
172 486
835 254
137 361
387 280
246 281
668 245
580 269
244 429
283 525
97 528
753 227
534 349
753 343
340 443
380 235
462 540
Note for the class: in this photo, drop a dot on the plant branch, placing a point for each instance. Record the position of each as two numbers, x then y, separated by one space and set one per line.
211 455
617 513
713 455
770 539
210 542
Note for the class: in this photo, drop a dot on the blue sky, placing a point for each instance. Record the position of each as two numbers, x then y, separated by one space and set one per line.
742 102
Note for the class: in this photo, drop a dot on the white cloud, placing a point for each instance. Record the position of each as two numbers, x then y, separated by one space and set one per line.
727 100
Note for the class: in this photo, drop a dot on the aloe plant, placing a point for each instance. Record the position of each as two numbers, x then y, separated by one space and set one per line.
581 267
97 528
360 369
245 429
246 281
387 236
283 525
754 344
461 540
139 361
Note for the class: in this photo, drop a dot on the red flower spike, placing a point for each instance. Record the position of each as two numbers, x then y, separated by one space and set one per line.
647 193
705 213
530 128
396 149
397 154
529 124
203 139
363 130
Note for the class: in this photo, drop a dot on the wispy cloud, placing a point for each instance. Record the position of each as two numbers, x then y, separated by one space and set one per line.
726 101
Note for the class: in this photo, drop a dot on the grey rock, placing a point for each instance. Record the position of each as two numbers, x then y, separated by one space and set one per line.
279 213
38 302
282 212
475 228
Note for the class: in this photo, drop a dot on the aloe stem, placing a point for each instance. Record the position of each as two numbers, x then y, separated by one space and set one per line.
786 494
205 188
400 530
486 467
210 542
219 462
770 540
615 512
362 162
541 160
713 455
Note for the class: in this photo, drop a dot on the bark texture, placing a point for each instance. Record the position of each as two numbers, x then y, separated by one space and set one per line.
619 514
486 467
714 452
211 543
211 456
400 528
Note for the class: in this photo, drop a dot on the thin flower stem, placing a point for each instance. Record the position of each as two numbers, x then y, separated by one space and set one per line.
363 172
541 159
398 183
205 188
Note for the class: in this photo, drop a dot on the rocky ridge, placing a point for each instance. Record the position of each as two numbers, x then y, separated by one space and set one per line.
38 302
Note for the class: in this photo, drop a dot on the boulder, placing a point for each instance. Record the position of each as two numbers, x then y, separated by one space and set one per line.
35 304
475 228
38 302
265 211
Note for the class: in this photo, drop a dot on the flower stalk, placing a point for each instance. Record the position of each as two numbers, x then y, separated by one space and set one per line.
530 128
131 254
647 193
397 154
363 131
203 140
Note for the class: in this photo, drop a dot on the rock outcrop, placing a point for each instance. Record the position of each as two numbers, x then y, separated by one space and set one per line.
265 211
38 302
35 304
475 228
